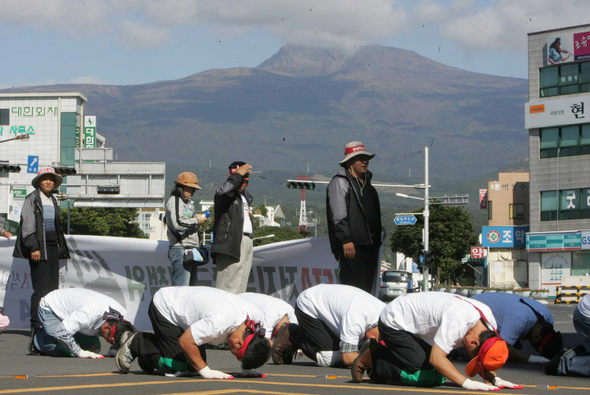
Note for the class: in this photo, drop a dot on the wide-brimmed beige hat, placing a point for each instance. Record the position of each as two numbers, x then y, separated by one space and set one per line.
353 149
57 179
188 179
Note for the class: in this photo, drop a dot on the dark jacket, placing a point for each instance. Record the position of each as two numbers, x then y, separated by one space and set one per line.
229 218
347 219
31 231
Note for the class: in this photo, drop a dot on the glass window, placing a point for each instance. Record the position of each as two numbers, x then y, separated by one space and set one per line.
569 204
4 116
549 201
570 136
549 138
489 210
568 74
581 264
549 76
585 203
585 72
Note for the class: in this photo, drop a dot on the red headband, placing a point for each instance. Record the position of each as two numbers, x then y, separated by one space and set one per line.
112 335
233 170
254 327
483 350
356 148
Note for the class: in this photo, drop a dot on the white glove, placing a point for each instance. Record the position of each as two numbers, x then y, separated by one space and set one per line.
537 359
207 373
477 386
498 382
90 354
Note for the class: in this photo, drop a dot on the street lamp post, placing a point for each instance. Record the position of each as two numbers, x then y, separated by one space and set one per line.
426 218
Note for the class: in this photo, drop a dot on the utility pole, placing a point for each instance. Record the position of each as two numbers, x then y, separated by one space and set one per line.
426 219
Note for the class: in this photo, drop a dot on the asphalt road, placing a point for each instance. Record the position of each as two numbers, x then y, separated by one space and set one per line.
23 373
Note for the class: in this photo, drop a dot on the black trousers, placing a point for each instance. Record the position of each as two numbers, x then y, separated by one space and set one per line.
313 335
44 278
403 355
360 272
161 349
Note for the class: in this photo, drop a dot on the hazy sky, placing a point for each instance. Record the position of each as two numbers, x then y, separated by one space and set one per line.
126 42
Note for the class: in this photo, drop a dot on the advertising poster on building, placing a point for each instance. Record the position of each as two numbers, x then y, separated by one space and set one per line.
554 267
132 270
582 46
483 199
559 49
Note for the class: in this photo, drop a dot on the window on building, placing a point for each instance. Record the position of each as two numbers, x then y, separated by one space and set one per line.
489 210
4 116
549 142
548 205
564 141
569 204
581 264
565 204
570 140
516 211
564 79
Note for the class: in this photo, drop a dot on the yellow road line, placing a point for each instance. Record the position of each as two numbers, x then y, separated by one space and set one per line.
355 387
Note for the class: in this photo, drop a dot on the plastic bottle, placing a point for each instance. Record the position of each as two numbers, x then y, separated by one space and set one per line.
189 209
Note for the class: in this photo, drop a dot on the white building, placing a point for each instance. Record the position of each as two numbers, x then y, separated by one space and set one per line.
62 136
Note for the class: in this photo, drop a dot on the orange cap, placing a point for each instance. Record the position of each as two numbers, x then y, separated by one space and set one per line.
492 355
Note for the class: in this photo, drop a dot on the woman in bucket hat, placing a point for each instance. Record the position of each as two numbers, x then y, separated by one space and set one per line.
41 240
183 224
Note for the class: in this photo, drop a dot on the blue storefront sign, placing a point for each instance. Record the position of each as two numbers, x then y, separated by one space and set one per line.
554 241
504 236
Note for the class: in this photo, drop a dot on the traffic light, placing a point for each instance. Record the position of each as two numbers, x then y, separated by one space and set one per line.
300 184
65 171
7 168
427 258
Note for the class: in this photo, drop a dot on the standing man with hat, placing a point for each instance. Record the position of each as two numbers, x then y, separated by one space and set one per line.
182 224
232 249
41 240
354 219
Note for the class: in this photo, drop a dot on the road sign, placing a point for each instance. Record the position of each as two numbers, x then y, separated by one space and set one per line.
33 164
405 220
477 252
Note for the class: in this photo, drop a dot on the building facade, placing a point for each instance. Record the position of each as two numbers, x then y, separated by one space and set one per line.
505 235
558 122
51 122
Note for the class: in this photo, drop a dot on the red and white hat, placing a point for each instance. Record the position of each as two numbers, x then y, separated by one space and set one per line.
353 149
57 179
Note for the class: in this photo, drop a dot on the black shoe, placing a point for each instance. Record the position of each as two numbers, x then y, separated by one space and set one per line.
365 361
31 346
553 364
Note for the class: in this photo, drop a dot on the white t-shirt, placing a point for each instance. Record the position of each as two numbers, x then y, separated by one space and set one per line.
584 306
211 313
348 311
274 309
247 228
436 317
80 310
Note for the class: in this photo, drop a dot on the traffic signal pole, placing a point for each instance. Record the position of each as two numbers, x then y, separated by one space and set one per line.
426 219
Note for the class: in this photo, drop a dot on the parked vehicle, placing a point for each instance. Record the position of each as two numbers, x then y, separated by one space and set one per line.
395 283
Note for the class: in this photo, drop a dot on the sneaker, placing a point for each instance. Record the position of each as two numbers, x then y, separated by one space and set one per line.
364 361
282 350
123 358
31 346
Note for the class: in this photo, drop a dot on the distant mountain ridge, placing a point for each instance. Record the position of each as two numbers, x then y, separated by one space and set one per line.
299 107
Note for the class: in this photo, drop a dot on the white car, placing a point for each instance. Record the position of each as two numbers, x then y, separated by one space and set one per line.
395 283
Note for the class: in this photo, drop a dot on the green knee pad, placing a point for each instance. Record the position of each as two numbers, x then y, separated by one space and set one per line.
422 378
169 365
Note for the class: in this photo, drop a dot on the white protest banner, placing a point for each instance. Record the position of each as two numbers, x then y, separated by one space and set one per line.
132 270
